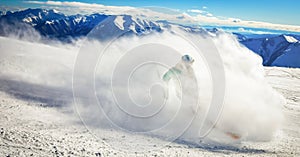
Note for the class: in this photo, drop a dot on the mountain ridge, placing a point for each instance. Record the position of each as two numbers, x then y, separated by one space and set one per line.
276 50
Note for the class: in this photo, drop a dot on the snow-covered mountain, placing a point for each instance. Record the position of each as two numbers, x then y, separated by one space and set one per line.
276 50
280 50
53 24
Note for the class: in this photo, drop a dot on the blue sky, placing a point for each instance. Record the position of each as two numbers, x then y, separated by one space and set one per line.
273 11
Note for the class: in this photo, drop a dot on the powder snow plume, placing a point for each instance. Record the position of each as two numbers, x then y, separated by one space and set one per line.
118 85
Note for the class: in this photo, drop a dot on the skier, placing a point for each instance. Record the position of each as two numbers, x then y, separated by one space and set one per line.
184 80
183 67
185 83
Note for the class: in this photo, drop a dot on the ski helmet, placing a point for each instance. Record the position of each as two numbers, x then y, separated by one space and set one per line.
187 58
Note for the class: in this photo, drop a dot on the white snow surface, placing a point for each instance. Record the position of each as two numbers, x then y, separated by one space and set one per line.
119 22
49 22
290 39
28 128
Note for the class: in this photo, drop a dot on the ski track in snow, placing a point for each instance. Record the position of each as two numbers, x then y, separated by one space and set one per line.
32 125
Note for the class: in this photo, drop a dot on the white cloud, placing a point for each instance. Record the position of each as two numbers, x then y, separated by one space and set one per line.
204 7
208 18
76 4
243 30
209 14
83 7
196 11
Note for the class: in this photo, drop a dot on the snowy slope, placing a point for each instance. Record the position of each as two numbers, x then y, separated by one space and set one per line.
36 117
29 129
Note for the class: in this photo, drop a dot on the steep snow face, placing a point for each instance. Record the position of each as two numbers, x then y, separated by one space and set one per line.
49 22
119 22
55 11
114 26
290 39
140 25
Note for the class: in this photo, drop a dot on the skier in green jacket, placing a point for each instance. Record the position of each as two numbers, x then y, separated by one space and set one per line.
185 83
183 67
183 76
